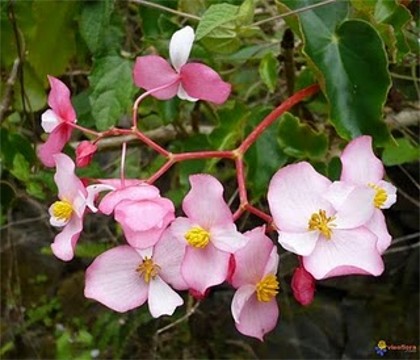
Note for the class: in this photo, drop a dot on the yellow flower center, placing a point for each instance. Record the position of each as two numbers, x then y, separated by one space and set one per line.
380 195
148 269
197 237
267 288
320 221
62 210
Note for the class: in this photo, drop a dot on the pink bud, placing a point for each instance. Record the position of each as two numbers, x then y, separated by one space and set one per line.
303 286
84 153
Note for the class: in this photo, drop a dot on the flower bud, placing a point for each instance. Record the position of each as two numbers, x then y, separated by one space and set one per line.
303 286
84 153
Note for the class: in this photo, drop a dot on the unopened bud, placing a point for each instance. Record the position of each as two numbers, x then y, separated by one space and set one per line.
84 153
303 286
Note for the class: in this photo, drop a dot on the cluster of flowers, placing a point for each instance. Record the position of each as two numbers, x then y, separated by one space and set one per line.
337 228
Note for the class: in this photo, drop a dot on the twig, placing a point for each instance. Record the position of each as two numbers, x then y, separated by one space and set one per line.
164 8
409 177
23 221
7 98
402 248
405 238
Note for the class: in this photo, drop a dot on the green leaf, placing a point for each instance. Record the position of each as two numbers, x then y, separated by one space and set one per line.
265 157
113 90
35 189
268 70
34 92
403 151
352 68
299 140
222 46
246 12
217 21
20 168
94 22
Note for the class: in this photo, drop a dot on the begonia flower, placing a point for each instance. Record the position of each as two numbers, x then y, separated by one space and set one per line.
303 286
209 233
123 278
332 240
143 214
68 212
190 81
84 153
56 122
254 306
360 167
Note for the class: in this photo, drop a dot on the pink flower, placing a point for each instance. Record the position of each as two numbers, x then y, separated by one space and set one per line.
84 153
123 278
362 168
190 81
55 121
143 214
254 306
303 286
331 239
68 212
209 233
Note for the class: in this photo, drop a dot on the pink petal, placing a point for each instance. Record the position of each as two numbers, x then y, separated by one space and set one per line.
133 193
168 254
203 268
116 183
377 225
180 46
180 226
347 252
69 185
54 144
204 203
151 72
257 318
338 192
202 82
272 263
239 300
92 193
360 165
59 100
357 208
65 242
182 94
162 299
294 194
227 238
299 243
251 260
113 281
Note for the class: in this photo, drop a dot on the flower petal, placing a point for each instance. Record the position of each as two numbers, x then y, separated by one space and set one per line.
133 193
204 203
49 121
59 100
180 47
299 243
377 225
360 165
203 268
113 281
257 317
251 260
180 226
54 144
294 194
182 94
151 72
272 263
239 300
116 183
168 254
347 252
227 238
69 185
65 242
202 82
163 300
93 191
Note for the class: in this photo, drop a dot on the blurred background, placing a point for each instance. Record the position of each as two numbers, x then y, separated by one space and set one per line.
91 46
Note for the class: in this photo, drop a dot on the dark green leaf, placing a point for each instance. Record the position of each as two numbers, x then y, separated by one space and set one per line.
401 152
20 168
217 21
34 92
299 140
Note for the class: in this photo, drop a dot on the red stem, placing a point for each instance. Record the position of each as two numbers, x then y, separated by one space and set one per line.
202 155
271 117
240 176
163 169
257 212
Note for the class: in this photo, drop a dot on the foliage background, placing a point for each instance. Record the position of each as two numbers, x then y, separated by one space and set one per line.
365 56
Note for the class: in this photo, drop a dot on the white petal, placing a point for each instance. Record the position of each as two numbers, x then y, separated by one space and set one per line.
182 94
49 121
180 47
162 299
92 191
54 221
299 243
391 192
227 238
240 298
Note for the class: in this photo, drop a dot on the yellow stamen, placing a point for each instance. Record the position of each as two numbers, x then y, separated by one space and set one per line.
62 210
148 269
380 195
267 288
197 237
320 221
